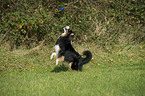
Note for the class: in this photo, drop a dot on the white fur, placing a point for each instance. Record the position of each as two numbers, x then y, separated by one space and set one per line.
53 54
64 30
63 33
67 27
57 49
56 61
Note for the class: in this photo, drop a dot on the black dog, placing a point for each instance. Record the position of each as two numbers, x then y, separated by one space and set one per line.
60 46
68 53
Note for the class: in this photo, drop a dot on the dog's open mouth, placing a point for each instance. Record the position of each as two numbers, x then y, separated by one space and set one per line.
71 36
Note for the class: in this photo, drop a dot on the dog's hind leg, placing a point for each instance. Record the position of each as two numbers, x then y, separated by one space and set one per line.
59 59
53 54
80 67
70 64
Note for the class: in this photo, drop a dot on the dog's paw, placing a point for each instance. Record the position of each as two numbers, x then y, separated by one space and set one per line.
56 63
51 57
53 54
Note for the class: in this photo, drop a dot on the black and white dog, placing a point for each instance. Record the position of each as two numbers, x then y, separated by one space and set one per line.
65 51
60 44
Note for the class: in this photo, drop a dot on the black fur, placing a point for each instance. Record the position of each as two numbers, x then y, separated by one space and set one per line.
78 61
70 54
63 42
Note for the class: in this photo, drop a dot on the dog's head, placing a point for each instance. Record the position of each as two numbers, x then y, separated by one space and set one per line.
70 34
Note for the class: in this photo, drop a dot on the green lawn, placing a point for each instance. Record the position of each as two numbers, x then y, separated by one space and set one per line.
32 73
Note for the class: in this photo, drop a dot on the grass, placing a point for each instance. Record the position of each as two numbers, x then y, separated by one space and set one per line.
32 73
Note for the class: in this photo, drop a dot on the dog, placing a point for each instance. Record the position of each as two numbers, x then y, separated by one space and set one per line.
60 44
66 52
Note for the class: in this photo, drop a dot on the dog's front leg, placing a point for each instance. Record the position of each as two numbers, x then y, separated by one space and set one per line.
57 61
53 54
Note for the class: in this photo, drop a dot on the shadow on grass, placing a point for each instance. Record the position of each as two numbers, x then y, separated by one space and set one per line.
60 68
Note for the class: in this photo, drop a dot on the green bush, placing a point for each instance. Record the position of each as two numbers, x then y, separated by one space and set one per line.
131 11
102 22
27 24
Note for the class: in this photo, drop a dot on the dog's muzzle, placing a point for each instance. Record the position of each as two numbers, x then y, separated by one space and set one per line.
71 36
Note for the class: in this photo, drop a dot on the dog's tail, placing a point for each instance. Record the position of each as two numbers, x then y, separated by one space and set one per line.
88 57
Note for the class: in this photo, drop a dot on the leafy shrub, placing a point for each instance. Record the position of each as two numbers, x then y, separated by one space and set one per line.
26 25
24 22
131 11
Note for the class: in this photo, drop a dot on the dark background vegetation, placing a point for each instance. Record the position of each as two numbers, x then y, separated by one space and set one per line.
103 22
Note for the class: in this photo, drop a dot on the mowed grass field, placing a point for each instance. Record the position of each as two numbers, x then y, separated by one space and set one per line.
119 71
